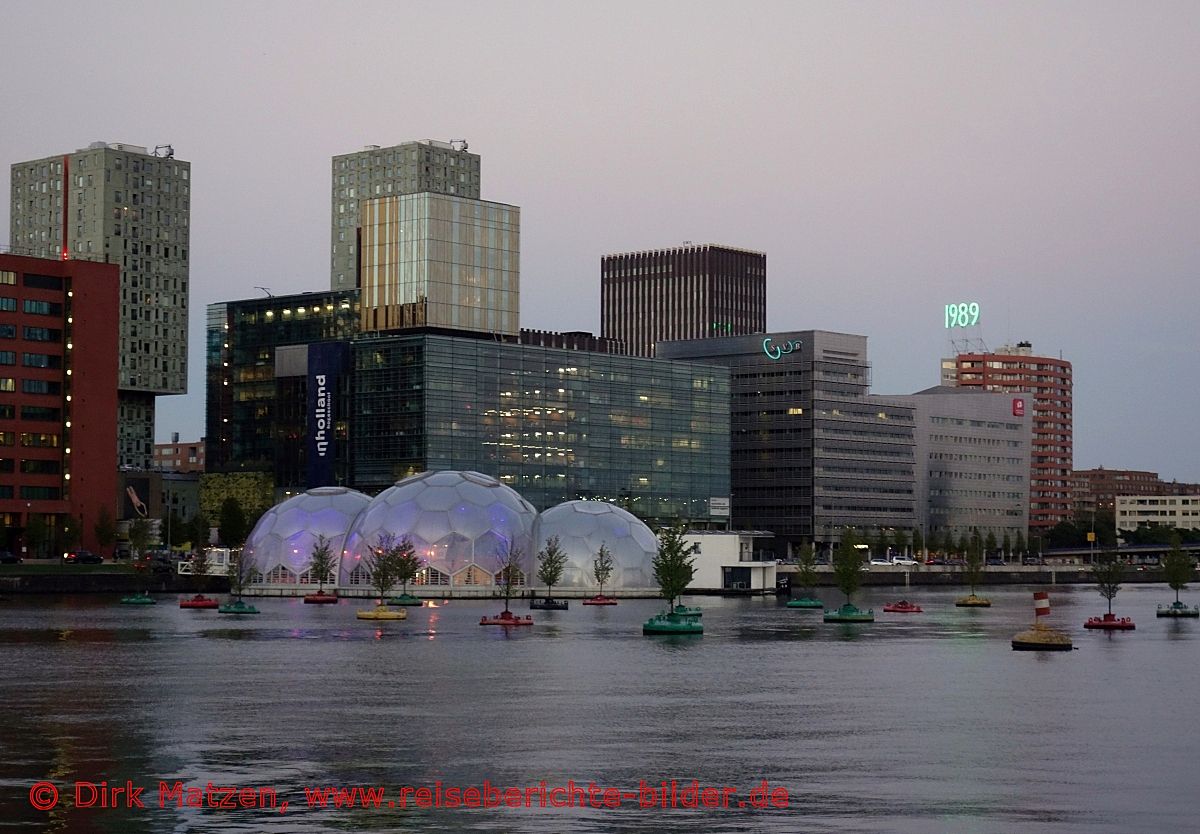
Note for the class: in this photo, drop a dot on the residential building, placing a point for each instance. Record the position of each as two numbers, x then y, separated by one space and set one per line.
1015 369
408 168
58 401
812 452
177 456
1178 511
1097 489
121 204
693 291
972 453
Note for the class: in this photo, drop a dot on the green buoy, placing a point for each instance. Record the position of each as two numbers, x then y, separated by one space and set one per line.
237 607
849 613
1178 609
140 598
805 602
406 599
673 623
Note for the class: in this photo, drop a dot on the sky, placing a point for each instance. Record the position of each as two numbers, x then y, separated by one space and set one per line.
890 158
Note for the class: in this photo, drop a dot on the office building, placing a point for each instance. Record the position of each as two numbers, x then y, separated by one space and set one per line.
972 452
408 168
694 291
1096 489
1015 369
432 260
553 423
58 401
812 452
121 204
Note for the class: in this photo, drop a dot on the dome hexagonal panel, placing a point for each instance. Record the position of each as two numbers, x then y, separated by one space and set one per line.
582 527
285 535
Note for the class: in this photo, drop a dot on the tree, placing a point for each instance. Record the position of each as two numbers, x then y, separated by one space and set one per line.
990 544
1006 545
139 536
232 525
198 530
241 572
973 570
105 528
918 541
552 561
381 565
963 544
508 569
174 529
72 532
1066 534
602 566
847 565
1108 570
322 562
200 567
881 543
1019 546
806 566
407 563
901 541
674 565
1178 568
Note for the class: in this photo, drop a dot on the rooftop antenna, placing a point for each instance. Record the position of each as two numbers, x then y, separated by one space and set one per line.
267 290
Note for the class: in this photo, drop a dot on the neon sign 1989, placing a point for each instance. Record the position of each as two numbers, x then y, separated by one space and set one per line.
963 314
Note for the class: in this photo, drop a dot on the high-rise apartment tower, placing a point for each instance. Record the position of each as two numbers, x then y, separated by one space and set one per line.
1015 369
407 168
126 205
694 291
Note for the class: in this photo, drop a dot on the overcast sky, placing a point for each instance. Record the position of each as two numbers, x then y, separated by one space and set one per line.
1039 158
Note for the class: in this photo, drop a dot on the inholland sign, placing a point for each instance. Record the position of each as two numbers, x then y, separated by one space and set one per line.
779 352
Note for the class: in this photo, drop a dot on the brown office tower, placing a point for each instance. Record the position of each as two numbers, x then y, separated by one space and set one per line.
694 291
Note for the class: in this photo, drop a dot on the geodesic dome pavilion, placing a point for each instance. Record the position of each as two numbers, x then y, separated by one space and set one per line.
457 522
281 543
582 526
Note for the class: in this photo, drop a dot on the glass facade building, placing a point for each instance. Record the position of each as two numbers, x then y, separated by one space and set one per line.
553 424
433 260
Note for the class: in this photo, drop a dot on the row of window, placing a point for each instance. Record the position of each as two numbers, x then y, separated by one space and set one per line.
30 412
31 386
31 306
32 493
32 467
31 334
31 360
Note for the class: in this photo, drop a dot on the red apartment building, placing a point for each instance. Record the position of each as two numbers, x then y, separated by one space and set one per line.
1097 489
58 398
1015 369
177 456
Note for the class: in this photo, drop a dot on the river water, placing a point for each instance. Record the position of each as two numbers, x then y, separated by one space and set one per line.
916 723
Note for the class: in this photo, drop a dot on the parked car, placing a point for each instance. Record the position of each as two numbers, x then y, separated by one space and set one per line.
995 561
7 557
957 562
882 562
1032 560
83 557
903 560
935 560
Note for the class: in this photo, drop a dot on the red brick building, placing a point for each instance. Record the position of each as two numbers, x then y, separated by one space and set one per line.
58 398
1097 489
179 456
1015 369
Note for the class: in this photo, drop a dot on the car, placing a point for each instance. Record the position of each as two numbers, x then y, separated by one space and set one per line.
882 562
935 560
83 557
903 560
957 563
1031 560
7 557
995 561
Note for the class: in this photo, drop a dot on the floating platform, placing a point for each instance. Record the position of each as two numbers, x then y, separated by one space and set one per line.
688 611
805 602
1178 609
407 600
382 612
902 607
320 598
140 598
1041 638
972 601
673 623
599 599
199 601
850 614
1110 622
548 604
237 607
507 618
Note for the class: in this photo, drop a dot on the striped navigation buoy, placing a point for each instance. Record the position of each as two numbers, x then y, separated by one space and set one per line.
1041 603
1041 638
